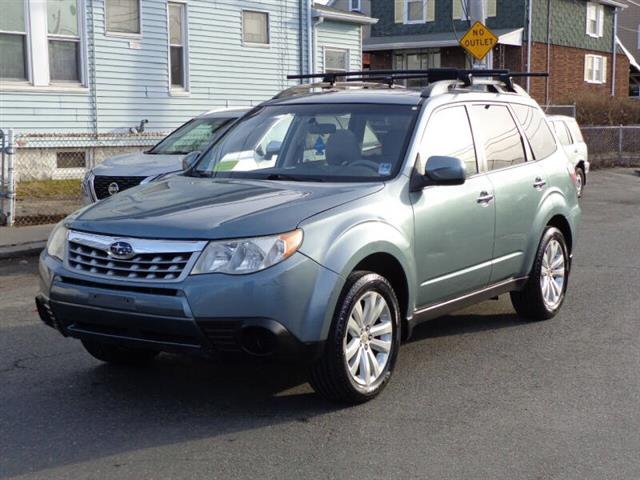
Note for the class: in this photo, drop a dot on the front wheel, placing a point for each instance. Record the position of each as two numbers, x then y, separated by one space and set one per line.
545 290
363 341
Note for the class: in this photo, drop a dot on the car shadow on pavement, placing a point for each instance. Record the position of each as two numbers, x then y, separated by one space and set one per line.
464 323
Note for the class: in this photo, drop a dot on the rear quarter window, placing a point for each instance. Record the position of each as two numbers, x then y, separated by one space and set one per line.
542 142
576 133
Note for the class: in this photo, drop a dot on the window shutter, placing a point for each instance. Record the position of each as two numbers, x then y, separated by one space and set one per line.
457 9
491 8
604 69
600 20
430 8
399 11
586 68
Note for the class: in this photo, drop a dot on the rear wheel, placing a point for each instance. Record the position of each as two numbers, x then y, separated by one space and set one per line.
545 290
117 354
363 342
581 179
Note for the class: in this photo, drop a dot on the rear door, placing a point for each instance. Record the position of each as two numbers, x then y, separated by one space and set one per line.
517 184
454 225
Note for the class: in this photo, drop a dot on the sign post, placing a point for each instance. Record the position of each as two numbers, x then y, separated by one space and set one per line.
479 41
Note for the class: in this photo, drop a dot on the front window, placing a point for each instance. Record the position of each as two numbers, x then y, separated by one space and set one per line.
336 60
338 143
595 19
193 136
356 5
123 16
255 27
595 69
64 40
177 45
13 40
415 11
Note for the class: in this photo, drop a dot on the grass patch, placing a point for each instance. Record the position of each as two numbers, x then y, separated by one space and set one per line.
48 189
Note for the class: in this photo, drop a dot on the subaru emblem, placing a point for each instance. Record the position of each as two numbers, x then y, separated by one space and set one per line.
121 250
113 188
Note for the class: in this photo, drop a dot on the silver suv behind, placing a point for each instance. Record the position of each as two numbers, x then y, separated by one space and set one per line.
122 172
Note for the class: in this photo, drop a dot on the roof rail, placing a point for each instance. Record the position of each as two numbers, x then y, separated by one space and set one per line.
381 78
362 83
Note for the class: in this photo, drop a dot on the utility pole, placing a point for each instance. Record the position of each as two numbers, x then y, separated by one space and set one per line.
477 13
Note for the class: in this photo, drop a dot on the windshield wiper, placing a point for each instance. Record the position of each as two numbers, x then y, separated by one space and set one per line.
293 178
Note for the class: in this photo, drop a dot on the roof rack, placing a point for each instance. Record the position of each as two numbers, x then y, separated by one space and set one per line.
388 78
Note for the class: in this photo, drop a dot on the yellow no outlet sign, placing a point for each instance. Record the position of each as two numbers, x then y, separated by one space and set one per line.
479 41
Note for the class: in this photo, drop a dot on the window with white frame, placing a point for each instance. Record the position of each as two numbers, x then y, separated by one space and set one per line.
63 30
595 69
336 60
595 19
178 57
415 11
13 41
355 5
255 27
41 42
123 17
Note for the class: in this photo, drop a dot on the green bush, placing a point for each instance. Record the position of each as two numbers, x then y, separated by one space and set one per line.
606 110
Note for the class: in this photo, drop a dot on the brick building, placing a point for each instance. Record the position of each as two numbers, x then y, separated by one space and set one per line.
572 39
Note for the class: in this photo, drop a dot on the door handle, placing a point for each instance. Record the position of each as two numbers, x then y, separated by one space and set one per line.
539 183
484 199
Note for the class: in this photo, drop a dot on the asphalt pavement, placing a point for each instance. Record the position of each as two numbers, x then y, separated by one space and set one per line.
477 395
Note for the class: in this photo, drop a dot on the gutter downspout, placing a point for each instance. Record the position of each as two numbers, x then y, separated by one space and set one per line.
310 37
529 46
314 32
614 56
301 38
547 96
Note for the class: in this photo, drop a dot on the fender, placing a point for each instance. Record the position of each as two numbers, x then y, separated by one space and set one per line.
349 247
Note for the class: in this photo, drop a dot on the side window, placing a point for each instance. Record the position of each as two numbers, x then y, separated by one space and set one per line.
499 135
449 134
575 132
562 132
537 130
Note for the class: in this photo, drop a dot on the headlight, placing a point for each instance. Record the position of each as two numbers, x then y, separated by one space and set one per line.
247 255
57 241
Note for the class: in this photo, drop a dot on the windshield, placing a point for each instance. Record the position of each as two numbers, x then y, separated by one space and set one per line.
359 142
193 136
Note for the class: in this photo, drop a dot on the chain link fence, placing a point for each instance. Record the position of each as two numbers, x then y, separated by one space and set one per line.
45 184
41 175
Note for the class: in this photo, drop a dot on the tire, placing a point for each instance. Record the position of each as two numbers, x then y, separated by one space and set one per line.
331 376
534 301
117 354
582 180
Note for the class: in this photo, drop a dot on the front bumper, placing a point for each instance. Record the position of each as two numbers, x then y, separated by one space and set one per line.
282 311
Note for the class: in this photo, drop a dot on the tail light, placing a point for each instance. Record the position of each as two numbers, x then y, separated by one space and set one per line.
571 169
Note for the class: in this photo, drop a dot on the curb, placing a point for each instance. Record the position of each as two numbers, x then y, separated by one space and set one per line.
28 249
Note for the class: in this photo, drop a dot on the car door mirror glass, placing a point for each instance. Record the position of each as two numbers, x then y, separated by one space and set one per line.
442 170
189 160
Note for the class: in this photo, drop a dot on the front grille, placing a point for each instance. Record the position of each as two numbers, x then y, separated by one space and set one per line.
101 184
144 266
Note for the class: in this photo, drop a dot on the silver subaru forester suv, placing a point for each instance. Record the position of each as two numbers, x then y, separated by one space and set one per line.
370 209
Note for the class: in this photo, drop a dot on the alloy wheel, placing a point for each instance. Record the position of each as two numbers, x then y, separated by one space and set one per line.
368 338
553 274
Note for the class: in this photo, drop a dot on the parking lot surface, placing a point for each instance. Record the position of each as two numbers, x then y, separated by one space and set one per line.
479 394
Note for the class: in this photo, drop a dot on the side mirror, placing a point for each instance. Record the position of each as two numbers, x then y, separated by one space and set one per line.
190 160
273 148
445 171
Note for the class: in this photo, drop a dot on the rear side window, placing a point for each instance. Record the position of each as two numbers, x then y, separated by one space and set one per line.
562 132
449 134
575 131
499 135
537 130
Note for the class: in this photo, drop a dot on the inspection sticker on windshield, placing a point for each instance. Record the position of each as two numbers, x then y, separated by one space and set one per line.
384 169
319 146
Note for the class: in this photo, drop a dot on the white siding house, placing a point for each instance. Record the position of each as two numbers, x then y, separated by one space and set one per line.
80 71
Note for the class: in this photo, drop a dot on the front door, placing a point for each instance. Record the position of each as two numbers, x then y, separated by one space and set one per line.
517 185
454 225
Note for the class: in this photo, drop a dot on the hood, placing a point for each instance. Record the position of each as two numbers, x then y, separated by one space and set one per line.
139 164
200 208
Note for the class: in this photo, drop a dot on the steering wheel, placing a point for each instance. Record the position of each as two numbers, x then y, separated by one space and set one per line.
365 163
